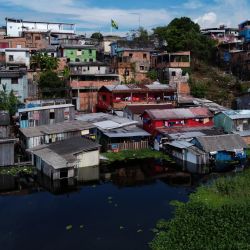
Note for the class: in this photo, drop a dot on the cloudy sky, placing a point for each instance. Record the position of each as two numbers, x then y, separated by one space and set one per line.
95 15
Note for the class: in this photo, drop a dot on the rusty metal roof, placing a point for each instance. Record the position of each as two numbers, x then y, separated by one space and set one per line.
167 114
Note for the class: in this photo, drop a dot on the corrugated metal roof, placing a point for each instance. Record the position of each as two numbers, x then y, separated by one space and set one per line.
62 127
180 144
45 107
127 132
139 109
197 112
221 143
100 117
237 114
51 158
11 73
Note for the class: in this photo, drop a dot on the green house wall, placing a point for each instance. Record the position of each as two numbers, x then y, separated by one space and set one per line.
85 55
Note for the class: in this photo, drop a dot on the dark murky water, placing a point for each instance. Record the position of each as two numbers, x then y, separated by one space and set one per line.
114 208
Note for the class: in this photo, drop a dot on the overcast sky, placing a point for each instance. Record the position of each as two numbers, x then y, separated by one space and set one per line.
95 15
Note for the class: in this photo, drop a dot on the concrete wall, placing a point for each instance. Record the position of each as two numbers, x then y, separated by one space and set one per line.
20 89
22 57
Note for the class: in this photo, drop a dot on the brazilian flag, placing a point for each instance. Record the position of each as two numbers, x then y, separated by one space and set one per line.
114 24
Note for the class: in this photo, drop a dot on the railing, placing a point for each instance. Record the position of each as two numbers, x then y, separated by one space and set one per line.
131 145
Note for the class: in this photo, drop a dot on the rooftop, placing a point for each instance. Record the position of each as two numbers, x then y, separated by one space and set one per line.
139 109
237 114
126 132
137 87
106 121
11 73
62 127
45 107
188 113
68 46
228 142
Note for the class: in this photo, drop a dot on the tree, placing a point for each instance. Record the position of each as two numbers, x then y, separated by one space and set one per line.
183 34
51 85
44 62
152 75
97 35
9 102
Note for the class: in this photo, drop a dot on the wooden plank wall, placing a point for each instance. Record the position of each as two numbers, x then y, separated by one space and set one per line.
7 154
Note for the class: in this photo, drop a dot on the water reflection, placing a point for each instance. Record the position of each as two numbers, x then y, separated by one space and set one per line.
124 174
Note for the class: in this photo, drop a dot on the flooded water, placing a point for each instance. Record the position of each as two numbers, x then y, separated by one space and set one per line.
113 208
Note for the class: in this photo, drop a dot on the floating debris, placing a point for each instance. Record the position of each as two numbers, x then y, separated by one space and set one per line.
154 230
121 227
69 227
110 198
116 205
81 226
139 230
94 186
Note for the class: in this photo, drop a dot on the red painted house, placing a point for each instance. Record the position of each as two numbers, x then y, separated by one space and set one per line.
117 97
170 118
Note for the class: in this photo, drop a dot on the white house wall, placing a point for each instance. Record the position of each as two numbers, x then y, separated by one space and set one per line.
88 159
22 57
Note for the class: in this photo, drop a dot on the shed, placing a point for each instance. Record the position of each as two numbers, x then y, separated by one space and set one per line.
187 153
62 159
222 147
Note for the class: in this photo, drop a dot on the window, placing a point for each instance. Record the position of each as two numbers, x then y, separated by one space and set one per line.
144 56
130 55
52 55
142 68
91 60
52 115
68 59
77 60
99 67
63 173
173 73
14 80
37 38
104 98
90 51
126 72
11 58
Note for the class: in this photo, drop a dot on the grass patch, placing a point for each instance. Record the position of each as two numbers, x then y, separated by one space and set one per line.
136 154
14 171
216 217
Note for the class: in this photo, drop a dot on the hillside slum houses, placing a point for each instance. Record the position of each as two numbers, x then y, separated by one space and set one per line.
141 88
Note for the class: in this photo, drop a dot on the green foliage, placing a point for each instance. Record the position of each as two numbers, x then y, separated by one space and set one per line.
182 34
15 171
97 35
44 62
216 217
8 102
135 154
51 85
152 74
198 89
